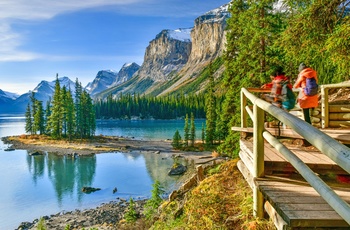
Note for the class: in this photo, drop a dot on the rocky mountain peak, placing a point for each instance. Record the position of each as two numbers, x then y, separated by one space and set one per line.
125 73
168 52
103 80
217 15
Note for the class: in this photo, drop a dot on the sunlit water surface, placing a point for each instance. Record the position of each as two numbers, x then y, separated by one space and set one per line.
35 186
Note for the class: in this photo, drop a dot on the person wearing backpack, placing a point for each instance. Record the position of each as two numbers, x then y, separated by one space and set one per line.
308 95
281 90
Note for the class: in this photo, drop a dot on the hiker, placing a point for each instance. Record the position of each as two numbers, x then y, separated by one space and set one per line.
277 96
308 96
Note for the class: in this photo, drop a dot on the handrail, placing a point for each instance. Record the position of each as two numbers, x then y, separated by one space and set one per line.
339 153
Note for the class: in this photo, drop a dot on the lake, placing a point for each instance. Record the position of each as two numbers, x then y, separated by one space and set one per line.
35 186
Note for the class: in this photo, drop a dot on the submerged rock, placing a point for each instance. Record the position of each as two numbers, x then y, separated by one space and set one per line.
89 189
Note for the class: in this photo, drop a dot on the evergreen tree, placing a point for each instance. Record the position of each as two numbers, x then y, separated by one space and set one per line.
64 110
210 111
38 123
131 214
55 119
29 121
34 110
176 140
186 131
70 119
193 131
47 116
153 203
203 133
78 109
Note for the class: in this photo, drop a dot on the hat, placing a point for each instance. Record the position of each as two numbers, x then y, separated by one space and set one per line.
302 66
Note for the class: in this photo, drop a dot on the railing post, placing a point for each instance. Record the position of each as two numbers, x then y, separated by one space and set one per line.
244 114
324 107
258 161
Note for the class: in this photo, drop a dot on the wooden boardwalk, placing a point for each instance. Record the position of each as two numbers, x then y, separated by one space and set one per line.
289 199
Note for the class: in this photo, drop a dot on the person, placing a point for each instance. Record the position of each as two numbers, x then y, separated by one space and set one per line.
306 102
278 80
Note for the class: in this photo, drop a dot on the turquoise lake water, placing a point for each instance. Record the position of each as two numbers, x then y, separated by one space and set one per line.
35 186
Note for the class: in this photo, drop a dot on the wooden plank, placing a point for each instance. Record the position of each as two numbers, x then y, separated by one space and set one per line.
275 217
339 116
246 173
306 207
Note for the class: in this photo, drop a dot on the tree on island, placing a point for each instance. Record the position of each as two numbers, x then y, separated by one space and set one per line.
62 117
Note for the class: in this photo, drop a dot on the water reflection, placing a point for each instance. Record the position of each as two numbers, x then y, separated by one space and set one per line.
67 174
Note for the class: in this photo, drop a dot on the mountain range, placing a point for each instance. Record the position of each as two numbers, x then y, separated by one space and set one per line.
174 61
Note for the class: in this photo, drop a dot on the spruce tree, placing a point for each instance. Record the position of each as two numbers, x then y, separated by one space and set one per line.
29 121
210 110
34 110
38 123
176 140
186 131
203 133
47 116
70 119
78 109
55 119
193 131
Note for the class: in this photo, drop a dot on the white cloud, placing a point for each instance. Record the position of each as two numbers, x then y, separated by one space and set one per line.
45 9
24 10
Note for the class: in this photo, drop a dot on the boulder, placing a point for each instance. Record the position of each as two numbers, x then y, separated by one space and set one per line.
178 170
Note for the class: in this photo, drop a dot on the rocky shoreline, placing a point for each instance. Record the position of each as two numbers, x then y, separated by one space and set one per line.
105 216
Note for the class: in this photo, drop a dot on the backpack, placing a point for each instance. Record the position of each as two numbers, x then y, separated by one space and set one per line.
288 97
311 87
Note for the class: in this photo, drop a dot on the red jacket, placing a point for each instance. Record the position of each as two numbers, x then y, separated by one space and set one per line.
304 100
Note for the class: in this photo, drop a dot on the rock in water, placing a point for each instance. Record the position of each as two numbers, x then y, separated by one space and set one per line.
178 170
89 189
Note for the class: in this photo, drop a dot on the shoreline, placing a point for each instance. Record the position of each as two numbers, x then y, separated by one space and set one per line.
101 144
105 215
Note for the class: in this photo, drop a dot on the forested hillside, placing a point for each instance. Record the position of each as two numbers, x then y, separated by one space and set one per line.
264 34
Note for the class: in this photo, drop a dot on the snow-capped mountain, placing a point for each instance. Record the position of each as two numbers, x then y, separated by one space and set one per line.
9 95
125 73
106 79
43 92
180 34
103 80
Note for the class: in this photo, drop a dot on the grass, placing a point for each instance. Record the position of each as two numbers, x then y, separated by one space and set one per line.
221 201
75 144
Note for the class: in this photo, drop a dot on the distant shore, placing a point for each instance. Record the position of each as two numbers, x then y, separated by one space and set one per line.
99 144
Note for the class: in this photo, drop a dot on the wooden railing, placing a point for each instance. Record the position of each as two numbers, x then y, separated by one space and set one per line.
325 112
339 153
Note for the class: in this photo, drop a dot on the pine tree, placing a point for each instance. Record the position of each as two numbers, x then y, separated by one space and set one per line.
176 140
153 203
210 110
193 131
47 116
203 133
38 123
131 214
34 110
55 119
186 131
78 109
70 119
29 121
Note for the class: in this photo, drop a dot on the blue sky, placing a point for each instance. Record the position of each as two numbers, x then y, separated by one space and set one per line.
77 38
